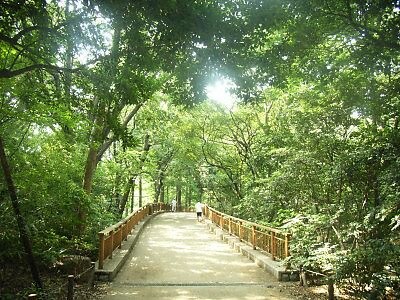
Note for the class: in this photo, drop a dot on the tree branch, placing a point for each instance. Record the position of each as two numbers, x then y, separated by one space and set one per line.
373 35
6 73
108 142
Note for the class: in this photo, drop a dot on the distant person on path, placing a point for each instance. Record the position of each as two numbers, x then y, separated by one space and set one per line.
199 211
173 205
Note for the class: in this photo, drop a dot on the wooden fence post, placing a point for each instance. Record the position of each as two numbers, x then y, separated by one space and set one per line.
125 232
303 279
240 231
92 274
70 295
112 243
101 250
230 226
286 245
120 236
331 289
253 236
273 244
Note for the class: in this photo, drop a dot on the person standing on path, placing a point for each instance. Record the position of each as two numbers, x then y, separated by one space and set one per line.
199 211
173 205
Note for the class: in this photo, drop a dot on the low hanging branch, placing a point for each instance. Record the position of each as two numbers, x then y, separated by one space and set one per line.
8 73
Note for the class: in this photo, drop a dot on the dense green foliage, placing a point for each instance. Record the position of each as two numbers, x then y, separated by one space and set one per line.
102 108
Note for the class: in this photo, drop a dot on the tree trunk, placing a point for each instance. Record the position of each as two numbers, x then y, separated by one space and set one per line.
159 183
189 201
188 196
95 155
68 65
162 194
23 232
133 194
167 193
125 196
100 128
179 197
90 167
140 191
69 55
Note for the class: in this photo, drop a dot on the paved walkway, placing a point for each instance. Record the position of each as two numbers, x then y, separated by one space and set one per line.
177 258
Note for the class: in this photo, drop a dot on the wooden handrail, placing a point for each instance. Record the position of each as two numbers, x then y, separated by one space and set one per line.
112 237
247 222
274 241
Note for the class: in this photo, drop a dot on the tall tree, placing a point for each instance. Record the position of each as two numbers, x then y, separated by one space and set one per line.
23 232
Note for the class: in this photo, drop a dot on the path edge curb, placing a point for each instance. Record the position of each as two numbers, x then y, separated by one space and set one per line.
265 262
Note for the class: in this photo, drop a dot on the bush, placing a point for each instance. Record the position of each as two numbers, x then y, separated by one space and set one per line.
309 247
372 270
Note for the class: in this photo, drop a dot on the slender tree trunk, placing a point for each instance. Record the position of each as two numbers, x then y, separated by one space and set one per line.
179 196
186 196
90 167
125 196
95 155
162 194
68 64
189 202
140 191
167 193
23 231
133 194
117 185
159 185
99 125
69 53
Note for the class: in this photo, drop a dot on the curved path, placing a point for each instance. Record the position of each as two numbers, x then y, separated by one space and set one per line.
177 258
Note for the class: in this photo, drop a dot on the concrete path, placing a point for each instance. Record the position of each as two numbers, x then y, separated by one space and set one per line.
177 258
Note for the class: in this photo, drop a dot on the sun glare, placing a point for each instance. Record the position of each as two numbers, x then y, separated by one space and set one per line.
219 92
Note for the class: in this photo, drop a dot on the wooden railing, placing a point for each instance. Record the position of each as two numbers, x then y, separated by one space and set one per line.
271 240
112 237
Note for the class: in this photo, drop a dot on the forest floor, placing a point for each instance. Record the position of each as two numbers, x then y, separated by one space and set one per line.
312 292
16 283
